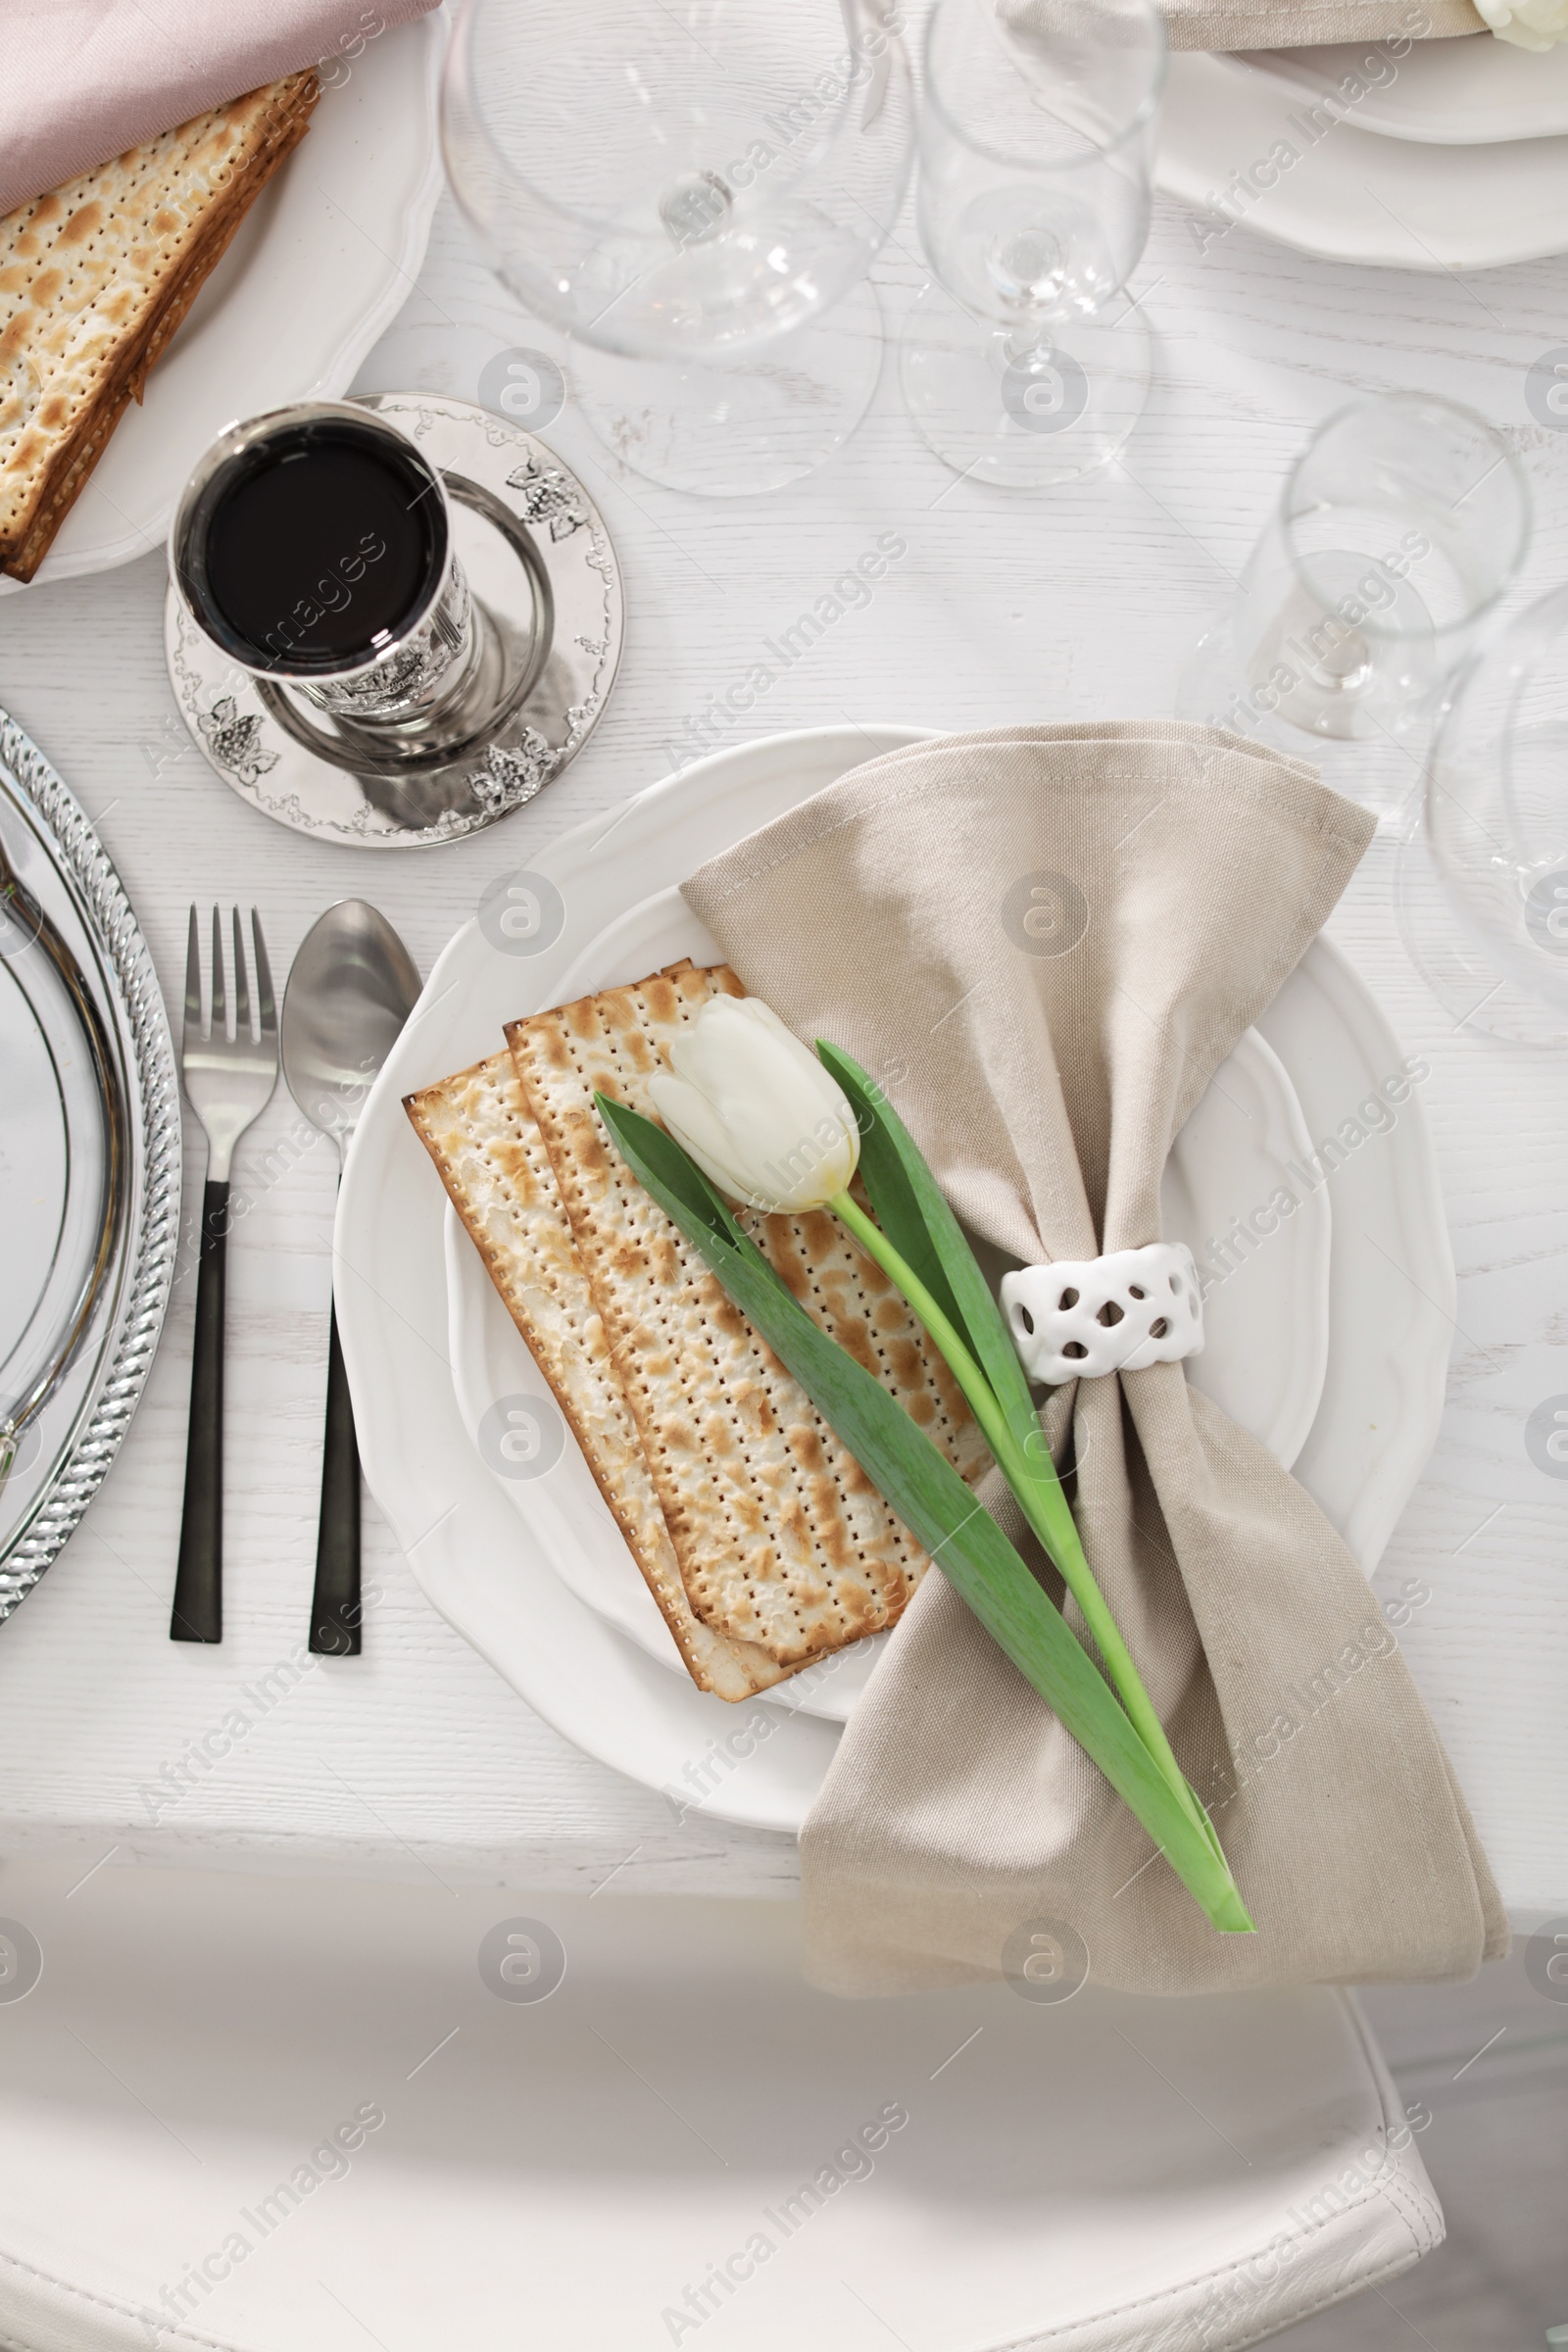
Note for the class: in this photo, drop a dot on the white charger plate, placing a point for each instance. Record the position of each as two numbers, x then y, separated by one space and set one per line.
1471 92
1266 1328
1390 1293
322 262
1354 196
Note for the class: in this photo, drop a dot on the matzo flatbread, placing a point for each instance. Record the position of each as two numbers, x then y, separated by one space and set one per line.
781 1538
488 1151
94 279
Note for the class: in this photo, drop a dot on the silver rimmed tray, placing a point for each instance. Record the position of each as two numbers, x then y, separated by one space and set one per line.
89 1162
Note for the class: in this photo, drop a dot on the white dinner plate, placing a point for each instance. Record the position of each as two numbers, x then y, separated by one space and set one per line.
322 262
1467 92
1390 1290
1350 195
1229 1160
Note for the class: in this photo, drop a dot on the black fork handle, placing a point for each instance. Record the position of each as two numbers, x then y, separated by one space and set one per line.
198 1613
335 1601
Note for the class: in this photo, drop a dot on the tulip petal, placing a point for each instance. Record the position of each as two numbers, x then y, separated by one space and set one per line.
755 1108
700 1131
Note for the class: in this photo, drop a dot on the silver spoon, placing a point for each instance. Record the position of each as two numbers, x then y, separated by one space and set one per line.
351 987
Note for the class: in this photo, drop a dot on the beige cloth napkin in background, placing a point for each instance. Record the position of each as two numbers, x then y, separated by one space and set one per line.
1387 26
83 79
1176 876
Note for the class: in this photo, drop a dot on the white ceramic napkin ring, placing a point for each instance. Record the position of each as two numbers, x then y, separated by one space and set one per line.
1079 1317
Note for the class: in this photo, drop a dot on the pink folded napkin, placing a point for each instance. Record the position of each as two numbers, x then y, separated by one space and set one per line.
84 80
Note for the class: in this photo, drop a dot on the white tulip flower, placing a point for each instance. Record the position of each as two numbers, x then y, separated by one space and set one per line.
1527 24
757 1110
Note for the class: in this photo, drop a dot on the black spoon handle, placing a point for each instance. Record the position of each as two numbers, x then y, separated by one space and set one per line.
198 1612
335 1602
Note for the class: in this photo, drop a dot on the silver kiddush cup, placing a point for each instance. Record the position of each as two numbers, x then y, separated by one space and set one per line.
314 546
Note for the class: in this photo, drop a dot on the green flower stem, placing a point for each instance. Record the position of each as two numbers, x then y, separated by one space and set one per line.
921 1485
1040 1496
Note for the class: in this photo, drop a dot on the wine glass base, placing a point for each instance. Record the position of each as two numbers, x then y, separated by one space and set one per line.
1381 767
739 430
1461 974
1025 423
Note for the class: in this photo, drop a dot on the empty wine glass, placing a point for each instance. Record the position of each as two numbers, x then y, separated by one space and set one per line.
1401 524
1036 153
687 186
1495 947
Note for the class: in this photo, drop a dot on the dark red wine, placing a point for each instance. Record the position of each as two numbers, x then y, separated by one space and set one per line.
315 547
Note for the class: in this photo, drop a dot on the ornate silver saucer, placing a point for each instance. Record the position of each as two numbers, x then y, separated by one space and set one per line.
544 575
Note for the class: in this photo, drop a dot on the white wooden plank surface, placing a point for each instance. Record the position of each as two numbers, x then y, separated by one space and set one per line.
415 1758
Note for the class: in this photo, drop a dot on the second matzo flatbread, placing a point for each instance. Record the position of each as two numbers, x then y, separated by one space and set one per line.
487 1150
95 278
782 1538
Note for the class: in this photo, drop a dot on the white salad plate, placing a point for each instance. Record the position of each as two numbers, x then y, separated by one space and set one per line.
322 264
1235 147
1468 92
487 1567
1229 1160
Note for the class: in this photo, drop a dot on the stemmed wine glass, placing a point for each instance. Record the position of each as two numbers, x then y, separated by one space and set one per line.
691 188
1491 939
1036 154
1400 526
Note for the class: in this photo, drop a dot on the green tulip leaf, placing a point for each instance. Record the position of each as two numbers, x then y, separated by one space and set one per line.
915 1213
922 1487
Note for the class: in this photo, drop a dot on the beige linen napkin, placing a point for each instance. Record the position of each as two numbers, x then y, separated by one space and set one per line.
1387 26
1044 941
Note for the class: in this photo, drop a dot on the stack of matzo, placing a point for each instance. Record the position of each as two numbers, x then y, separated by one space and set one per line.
94 279
759 1534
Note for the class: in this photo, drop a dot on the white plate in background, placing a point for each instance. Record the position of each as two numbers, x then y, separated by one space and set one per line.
1471 92
1391 1295
1351 196
321 263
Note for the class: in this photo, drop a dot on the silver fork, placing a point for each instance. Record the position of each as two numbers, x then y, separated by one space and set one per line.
228 1082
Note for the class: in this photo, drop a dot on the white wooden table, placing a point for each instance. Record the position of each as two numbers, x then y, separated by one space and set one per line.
415 1758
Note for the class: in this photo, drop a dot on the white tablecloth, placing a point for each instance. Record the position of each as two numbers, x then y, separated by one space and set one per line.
415 1759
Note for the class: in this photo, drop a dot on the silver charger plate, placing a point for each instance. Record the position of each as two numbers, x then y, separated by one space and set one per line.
540 561
89 1161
